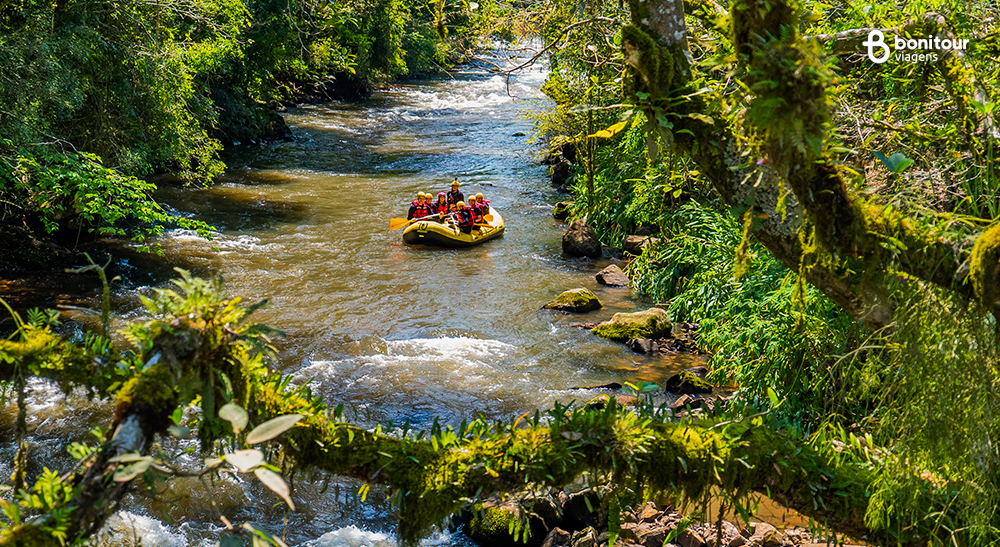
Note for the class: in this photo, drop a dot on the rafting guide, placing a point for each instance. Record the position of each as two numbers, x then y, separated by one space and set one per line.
876 42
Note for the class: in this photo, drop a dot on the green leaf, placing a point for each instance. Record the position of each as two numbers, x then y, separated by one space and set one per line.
702 118
129 472
235 415
773 396
264 534
277 485
245 460
610 131
272 428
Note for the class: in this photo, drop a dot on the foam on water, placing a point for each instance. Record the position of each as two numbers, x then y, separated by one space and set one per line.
352 536
125 529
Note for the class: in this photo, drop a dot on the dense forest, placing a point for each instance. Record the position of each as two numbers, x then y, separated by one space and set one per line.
827 220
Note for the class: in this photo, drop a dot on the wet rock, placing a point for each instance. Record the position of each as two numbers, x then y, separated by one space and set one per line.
652 323
561 172
612 276
634 244
614 386
557 538
586 326
687 383
700 372
686 401
644 346
561 210
575 300
581 240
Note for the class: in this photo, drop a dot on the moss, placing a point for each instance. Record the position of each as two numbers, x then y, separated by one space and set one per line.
151 395
652 323
561 211
575 300
984 268
494 526
689 383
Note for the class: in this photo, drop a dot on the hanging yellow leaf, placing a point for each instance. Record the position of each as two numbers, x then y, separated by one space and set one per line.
609 132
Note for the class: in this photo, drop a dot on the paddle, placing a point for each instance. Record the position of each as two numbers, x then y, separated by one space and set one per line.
397 223
488 218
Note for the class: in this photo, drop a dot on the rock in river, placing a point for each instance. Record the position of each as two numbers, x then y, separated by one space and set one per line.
687 383
612 276
575 300
581 240
561 210
652 323
635 244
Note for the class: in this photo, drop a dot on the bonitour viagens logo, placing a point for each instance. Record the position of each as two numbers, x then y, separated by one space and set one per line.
904 47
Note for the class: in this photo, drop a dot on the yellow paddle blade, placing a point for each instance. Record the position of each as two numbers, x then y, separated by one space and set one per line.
398 223
488 218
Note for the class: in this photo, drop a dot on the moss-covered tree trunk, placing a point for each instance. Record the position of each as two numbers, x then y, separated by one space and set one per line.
802 208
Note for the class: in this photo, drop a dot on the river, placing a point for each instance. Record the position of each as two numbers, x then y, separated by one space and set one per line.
398 333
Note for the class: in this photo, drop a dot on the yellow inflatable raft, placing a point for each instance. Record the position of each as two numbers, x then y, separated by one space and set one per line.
437 234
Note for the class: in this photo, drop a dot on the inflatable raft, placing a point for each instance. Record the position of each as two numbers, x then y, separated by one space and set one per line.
437 234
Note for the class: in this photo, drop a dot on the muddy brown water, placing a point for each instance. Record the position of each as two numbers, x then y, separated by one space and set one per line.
396 332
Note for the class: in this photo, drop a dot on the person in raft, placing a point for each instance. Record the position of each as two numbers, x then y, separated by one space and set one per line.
464 217
419 208
440 207
455 196
477 210
482 207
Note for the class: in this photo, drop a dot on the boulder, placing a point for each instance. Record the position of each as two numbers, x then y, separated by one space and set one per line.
561 210
612 276
561 172
647 230
652 323
634 244
581 240
575 300
686 383
644 346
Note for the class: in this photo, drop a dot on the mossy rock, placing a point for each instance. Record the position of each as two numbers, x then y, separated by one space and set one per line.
652 323
687 383
493 529
575 300
561 210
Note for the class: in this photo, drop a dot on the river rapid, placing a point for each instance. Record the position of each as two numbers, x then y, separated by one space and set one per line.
394 332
